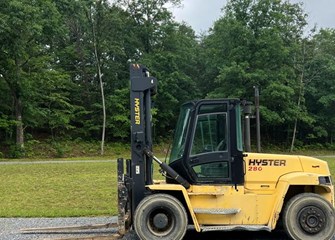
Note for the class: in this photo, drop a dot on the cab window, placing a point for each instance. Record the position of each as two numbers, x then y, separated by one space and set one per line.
210 134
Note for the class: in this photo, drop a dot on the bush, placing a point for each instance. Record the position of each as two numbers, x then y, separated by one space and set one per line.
61 149
16 151
30 148
330 146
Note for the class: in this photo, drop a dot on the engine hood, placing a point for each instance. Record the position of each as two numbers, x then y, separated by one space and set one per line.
262 171
314 165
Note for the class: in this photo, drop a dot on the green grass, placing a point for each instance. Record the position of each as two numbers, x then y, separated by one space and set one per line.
65 190
55 190
93 158
331 165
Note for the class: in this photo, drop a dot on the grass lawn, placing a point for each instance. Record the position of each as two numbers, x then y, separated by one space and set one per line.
54 190
331 164
67 189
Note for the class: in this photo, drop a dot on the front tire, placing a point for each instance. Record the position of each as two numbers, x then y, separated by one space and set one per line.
160 216
308 216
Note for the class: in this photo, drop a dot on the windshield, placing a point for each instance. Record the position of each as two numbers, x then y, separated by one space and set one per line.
180 134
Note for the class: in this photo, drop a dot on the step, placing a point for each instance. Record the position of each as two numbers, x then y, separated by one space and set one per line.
236 227
218 211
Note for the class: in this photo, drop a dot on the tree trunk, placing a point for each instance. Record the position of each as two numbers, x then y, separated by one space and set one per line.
103 105
18 109
301 89
19 124
294 134
301 93
101 86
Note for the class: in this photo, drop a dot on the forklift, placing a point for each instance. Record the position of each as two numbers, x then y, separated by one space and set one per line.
211 183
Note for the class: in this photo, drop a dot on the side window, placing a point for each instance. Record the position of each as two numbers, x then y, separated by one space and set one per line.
210 134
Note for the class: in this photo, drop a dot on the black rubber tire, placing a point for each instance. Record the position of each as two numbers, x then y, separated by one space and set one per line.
173 215
308 216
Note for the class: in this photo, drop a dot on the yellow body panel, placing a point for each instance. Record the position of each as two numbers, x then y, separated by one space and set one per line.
249 206
259 202
261 172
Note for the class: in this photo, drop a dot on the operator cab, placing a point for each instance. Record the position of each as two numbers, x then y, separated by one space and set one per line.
207 146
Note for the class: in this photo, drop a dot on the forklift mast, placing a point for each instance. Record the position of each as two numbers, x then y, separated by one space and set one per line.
142 88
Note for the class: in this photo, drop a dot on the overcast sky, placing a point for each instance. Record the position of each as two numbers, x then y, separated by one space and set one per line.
201 14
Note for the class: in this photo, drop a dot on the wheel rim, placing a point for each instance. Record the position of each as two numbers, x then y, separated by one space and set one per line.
161 221
312 219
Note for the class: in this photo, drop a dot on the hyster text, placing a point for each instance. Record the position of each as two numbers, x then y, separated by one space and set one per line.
267 162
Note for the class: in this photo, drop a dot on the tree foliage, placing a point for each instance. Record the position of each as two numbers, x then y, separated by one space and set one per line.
257 43
56 57
320 72
27 40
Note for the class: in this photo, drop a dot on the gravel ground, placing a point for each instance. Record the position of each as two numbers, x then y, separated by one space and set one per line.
10 230
10 227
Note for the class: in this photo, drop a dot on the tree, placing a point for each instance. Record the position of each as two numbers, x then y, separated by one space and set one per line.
49 107
93 11
28 30
320 72
169 50
95 53
150 18
256 43
175 64
6 122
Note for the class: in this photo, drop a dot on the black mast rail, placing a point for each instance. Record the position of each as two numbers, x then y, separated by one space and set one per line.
142 88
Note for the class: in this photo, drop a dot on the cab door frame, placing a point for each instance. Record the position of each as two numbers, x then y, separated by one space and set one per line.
232 158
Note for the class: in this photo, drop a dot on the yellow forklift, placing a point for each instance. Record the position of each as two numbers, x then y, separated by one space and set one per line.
211 183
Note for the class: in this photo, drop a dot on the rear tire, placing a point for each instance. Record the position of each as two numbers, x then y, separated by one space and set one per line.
160 216
308 216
